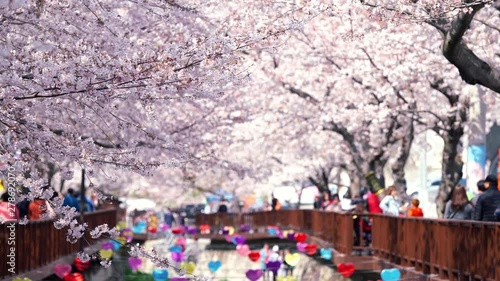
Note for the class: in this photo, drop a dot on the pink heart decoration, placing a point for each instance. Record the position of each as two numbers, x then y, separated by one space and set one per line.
228 238
243 250
177 257
62 269
181 241
164 227
301 247
134 263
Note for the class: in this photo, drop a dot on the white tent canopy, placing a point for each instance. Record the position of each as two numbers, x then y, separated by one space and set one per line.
140 204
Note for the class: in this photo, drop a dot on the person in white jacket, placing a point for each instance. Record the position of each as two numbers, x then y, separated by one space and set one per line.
391 205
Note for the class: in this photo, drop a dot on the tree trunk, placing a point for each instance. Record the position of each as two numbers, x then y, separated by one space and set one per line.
451 172
398 168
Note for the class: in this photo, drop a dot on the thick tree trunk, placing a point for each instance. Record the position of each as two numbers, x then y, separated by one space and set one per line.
451 171
398 168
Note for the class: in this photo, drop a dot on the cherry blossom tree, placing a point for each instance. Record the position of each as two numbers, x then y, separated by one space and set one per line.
460 24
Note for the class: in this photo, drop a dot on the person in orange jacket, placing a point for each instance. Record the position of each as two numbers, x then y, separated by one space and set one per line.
414 210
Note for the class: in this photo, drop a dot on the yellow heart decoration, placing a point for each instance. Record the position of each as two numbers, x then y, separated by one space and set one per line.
286 278
121 225
188 267
121 240
292 259
19 279
106 254
231 230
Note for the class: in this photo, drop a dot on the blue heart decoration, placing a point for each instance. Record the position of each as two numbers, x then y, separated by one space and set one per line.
213 266
326 253
390 274
175 249
139 229
116 245
272 231
160 274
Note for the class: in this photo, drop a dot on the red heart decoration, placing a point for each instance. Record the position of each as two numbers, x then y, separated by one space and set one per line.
311 249
81 266
301 237
346 269
176 230
205 228
152 229
74 277
254 256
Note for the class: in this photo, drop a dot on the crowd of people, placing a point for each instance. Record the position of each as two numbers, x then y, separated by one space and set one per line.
482 207
40 208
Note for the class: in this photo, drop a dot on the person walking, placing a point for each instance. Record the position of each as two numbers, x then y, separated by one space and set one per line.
415 210
480 188
391 205
459 207
488 201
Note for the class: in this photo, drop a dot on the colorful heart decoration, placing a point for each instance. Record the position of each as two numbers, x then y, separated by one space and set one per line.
128 234
152 229
226 233
138 229
106 254
164 227
62 269
121 225
238 240
390 274
213 266
175 249
120 241
181 241
311 249
244 228
230 230
273 266
281 235
301 247
286 278
178 256
326 253
192 230
160 274
134 263
290 236
177 230
292 259
243 250
228 238
107 246
253 274
254 256
81 266
346 269
19 279
301 237
74 277
205 228
188 267
272 231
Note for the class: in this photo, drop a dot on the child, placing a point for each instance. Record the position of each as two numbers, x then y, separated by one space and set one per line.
414 210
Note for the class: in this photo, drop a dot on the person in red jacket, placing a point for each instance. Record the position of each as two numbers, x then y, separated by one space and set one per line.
414 210
373 203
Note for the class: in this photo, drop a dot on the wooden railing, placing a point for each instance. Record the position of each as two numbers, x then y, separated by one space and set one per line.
454 250
38 243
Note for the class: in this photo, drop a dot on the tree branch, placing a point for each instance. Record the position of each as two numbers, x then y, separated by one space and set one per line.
473 70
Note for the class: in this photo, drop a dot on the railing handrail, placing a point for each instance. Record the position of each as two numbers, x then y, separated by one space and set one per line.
84 215
433 246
